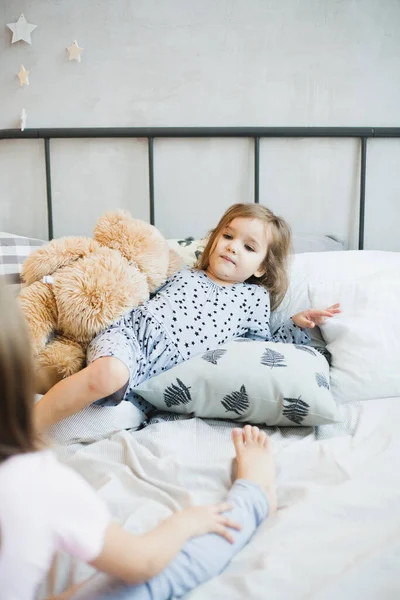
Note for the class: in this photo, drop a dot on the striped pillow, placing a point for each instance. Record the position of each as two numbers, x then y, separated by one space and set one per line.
14 249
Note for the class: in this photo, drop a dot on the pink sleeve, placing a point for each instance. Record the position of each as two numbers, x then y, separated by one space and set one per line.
80 517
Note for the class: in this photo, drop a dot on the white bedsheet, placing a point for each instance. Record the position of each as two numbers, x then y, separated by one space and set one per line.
336 535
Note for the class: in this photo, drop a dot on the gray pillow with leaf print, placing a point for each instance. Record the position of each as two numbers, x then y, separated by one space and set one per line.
256 382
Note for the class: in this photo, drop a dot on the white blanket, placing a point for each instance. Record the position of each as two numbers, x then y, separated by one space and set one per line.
336 534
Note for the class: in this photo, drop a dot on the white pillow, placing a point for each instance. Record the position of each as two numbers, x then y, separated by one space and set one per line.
364 339
319 267
95 423
255 382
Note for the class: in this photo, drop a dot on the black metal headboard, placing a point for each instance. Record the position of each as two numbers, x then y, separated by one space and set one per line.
255 133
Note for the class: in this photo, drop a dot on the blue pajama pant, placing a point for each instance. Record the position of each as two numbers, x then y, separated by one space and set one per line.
200 559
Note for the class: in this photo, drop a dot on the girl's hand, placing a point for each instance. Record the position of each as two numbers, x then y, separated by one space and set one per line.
315 316
208 519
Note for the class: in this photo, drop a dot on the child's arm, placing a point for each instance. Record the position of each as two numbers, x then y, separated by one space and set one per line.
99 379
82 527
294 331
138 558
258 327
315 316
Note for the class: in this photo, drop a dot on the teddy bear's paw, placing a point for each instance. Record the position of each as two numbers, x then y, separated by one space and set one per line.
60 358
55 255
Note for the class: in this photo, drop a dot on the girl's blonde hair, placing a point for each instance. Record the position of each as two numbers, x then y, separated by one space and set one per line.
275 278
16 381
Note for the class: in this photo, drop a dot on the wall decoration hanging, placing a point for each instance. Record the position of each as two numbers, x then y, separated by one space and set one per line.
75 51
21 30
23 76
23 119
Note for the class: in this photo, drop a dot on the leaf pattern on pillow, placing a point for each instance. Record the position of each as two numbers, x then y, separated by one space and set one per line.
171 416
305 349
164 417
321 380
186 242
213 356
295 409
325 354
272 358
242 339
177 394
236 402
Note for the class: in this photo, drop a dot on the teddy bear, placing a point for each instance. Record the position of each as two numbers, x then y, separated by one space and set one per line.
75 287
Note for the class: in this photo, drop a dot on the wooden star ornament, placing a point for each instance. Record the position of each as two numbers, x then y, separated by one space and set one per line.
23 76
21 30
75 51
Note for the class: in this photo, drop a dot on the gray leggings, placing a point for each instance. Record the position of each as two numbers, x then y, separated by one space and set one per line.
200 559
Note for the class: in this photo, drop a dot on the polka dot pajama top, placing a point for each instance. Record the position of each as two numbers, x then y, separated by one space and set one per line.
189 314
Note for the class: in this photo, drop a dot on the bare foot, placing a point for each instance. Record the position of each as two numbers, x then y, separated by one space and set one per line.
255 461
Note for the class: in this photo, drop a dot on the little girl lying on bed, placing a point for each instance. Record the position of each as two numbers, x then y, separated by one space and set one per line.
46 507
240 277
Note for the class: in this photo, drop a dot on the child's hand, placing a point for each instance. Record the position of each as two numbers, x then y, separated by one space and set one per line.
315 316
208 519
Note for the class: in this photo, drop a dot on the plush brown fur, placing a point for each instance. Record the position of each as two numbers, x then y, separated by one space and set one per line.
138 240
55 255
94 282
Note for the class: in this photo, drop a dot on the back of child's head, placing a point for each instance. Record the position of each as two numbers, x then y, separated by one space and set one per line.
16 380
275 278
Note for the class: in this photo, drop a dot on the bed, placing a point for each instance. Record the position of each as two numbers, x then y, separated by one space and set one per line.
337 530
336 533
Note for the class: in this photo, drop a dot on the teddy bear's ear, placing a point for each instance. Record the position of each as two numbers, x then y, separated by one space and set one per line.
111 230
138 241
55 255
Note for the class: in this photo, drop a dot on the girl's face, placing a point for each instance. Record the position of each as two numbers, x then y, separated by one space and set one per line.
238 252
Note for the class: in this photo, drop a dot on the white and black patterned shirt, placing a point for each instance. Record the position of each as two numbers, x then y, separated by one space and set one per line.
198 314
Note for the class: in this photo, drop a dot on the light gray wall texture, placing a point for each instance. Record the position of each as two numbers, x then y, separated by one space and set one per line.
204 62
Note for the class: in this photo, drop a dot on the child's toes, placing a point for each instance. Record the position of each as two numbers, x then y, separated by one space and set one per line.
267 442
262 437
247 434
237 437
